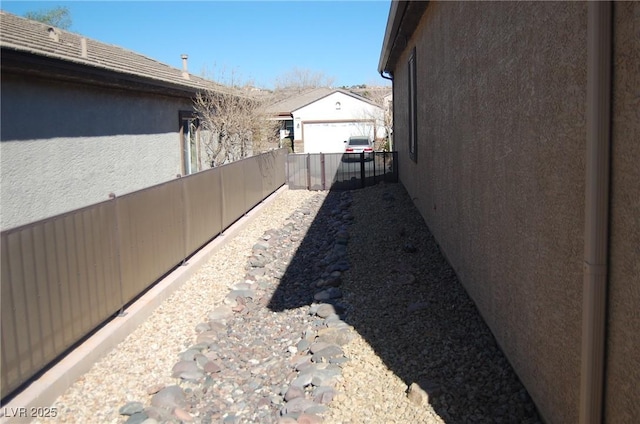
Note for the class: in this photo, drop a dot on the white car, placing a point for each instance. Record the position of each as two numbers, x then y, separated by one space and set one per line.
359 144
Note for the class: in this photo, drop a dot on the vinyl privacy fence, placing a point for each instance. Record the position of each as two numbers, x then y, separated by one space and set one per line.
64 276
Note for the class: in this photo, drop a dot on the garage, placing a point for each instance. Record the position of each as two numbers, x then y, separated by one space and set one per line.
323 118
329 137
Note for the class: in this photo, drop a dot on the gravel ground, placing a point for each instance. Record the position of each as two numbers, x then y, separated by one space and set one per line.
145 358
416 325
418 350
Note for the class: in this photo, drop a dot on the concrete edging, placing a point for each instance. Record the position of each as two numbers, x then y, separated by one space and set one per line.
36 399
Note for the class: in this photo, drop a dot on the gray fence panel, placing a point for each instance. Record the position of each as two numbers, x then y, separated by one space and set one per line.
59 281
65 275
273 169
232 193
315 166
151 235
203 207
332 164
297 171
252 182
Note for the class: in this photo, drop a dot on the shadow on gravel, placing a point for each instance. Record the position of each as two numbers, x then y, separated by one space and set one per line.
401 295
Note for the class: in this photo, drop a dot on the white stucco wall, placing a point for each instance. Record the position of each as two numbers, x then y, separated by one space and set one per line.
351 109
65 146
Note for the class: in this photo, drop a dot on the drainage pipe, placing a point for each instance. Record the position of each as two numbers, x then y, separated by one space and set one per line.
390 77
598 121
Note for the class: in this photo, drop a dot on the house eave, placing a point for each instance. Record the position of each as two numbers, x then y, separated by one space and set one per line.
22 63
283 116
403 20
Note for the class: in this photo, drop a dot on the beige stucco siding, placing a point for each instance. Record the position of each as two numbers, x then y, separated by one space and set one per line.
66 146
500 174
622 390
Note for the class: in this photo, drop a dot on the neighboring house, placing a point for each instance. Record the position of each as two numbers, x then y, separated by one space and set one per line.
530 182
82 119
320 120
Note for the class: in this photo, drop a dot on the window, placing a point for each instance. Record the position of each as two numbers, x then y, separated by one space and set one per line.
413 118
190 145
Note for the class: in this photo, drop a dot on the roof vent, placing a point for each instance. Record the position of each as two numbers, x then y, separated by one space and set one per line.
185 71
83 47
54 34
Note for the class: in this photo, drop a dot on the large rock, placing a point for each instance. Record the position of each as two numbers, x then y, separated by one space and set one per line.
325 376
182 415
169 397
297 406
420 393
220 313
131 408
293 392
326 309
328 294
137 418
306 418
332 351
324 395
183 366
335 336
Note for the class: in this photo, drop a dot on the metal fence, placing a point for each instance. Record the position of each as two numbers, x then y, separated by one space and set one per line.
340 171
64 276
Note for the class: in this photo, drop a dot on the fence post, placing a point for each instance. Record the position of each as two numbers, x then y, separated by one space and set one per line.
286 168
374 168
185 216
222 203
308 171
362 169
118 248
384 166
322 171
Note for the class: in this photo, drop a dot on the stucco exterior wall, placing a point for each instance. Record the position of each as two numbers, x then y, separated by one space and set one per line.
623 338
500 174
65 146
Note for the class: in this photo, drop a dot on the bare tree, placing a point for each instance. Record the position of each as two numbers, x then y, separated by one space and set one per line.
233 124
59 16
381 97
302 79
296 81
233 119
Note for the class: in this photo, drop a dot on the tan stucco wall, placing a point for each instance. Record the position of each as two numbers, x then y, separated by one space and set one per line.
500 174
622 393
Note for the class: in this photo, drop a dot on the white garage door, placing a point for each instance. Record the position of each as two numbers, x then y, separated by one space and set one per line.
329 137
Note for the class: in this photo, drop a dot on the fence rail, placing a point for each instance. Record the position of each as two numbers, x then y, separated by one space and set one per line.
63 276
340 171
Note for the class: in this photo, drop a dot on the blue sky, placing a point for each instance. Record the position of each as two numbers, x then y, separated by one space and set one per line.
253 40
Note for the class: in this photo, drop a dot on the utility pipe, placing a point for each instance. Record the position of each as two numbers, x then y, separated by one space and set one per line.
598 122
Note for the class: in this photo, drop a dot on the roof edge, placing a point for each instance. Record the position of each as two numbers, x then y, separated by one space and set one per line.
396 11
403 20
27 64
26 37
334 91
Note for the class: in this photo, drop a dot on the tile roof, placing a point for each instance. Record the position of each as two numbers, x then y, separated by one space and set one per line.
297 101
36 38
305 98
